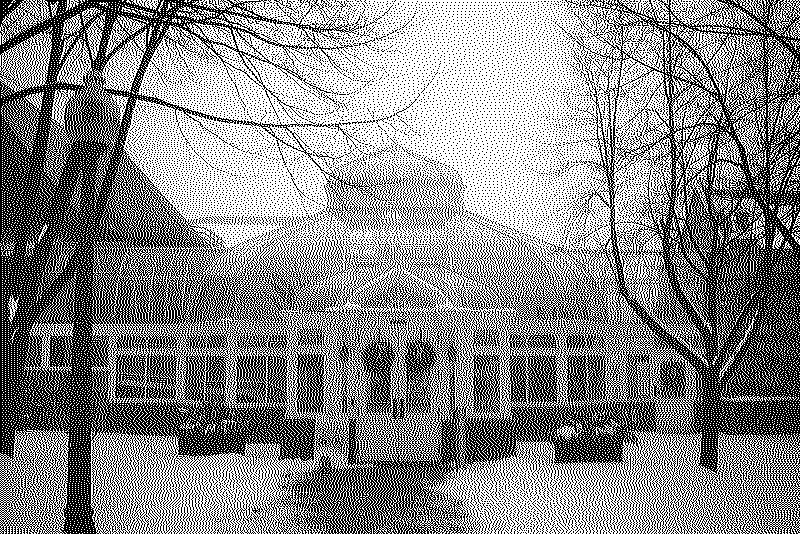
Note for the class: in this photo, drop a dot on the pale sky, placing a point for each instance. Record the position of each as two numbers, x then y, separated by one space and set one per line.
491 114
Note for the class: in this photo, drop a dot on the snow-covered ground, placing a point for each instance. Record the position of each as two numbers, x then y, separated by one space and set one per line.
658 488
140 485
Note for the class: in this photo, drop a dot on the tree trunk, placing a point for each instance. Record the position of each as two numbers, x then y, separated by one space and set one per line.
13 380
78 514
709 419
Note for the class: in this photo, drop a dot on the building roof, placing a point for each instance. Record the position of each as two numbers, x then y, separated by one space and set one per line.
395 216
137 212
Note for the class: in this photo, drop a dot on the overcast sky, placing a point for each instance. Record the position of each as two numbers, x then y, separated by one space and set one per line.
491 113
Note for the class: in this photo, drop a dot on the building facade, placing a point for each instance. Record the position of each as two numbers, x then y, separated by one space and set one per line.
378 328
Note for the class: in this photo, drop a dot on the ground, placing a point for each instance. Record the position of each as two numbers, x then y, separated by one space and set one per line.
140 485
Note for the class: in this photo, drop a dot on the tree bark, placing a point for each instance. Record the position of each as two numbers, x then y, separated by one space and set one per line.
78 513
16 286
709 419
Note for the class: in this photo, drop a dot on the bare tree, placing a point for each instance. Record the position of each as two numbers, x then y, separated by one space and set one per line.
680 146
307 61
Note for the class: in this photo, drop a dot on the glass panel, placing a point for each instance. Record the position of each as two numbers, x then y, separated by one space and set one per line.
254 342
143 309
160 375
576 377
518 372
195 373
215 377
516 341
309 337
33 356
167 302
542 376
420 357
487 383
101 351
126 301
576 341
309 382
377 359
105 293
542 341
217 341
633 379
196 291
276 379
224 296
160 342
673 380
131 379
250 376
596 375
486 338
60 350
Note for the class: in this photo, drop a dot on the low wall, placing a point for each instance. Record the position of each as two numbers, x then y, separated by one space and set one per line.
46 407
755 415
489 439
46 402
537 423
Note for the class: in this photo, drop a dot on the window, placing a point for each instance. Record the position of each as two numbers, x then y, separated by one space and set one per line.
134 296
487 383
533 374
167 303
575 341
639 386
576 377
105 300
309 382
250 385
597 341
309 337
125 301
131 375
518 376
596 375
273 341
541 376
160 375
146 367
216 341
61 351
542 341
578 341
486 338
377 358
205 368
33 356
673 380
261 369
420 357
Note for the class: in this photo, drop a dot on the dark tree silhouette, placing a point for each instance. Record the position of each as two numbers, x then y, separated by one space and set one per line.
689 163
309 62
